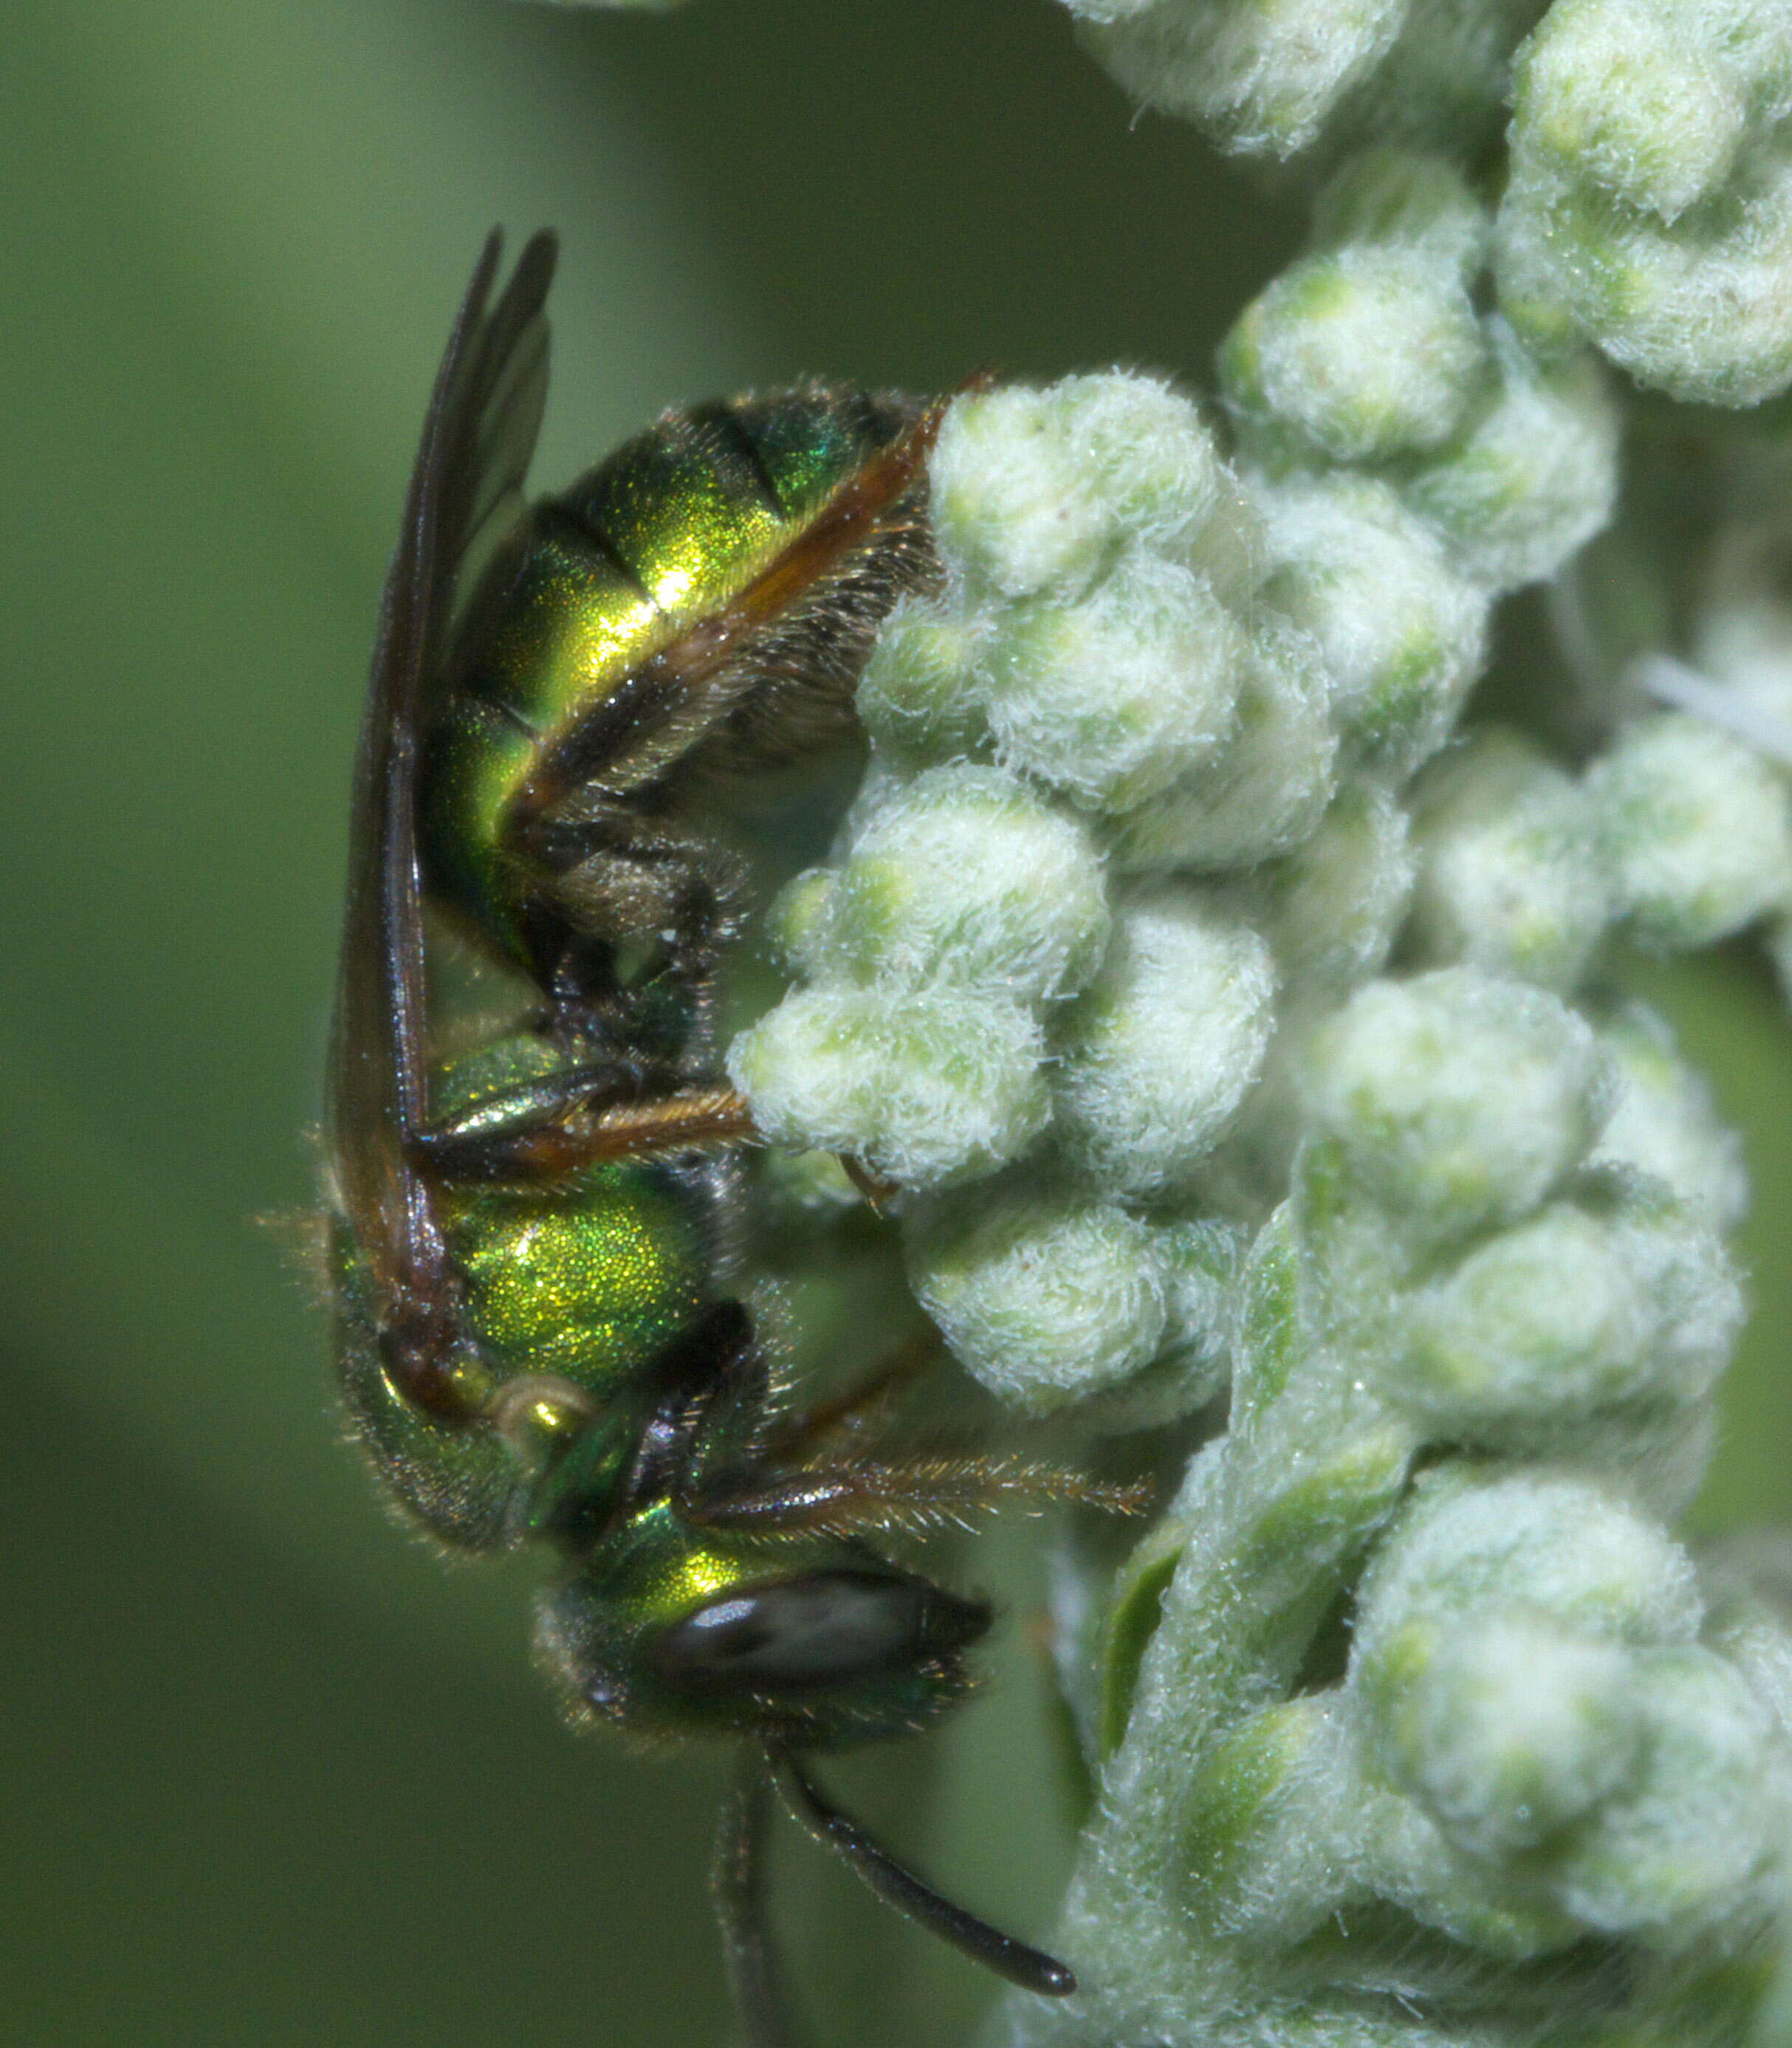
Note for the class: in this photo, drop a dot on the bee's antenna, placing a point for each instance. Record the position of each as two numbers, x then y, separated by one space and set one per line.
738 1878
1031 1969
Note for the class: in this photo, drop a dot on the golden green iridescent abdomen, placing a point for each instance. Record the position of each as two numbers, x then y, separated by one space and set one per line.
586 1283
663 536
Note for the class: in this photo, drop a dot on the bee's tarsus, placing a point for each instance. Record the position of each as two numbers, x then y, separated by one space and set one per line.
1031 1969
738 1881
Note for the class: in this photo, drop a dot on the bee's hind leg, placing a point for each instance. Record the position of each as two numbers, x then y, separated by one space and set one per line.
541 1131
738 1878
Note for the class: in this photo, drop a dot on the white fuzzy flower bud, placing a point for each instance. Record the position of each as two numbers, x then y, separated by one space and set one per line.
1582 1307
1157 1055
1400 195
1707 320
1512 1727
1045 1299
1202 1260
1691 1841
1263 792
1031 490
1011 506
1510 873
1114 698
916 699
1403 634
1651 204
1337 901
1459 1100
1149 458
1532 474
1664 1122
1698 831
924 1085
1548 1544
1362 353
963 876
1619 91
1263 76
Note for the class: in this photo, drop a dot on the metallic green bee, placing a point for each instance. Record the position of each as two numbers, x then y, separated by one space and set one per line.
540 1339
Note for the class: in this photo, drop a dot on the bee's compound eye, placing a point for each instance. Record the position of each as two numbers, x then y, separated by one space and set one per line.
823 1629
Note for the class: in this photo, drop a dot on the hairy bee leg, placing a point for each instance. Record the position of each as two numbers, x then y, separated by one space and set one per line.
738 1878
687 1119
510 1133
1030 1968
560 1130
912 1495
845 1410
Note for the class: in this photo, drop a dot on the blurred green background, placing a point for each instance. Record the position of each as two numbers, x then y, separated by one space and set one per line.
273 1776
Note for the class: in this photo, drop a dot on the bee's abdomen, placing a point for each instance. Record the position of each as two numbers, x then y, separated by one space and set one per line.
663 535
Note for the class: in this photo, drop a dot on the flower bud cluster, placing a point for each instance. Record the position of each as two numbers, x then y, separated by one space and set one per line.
1567 1754
1649 205
1512 874
1532 1288
1678 836
1221 1019
1033 969
1222 1022
1694 790
1367 359
1544 1742
1135 820
1306 75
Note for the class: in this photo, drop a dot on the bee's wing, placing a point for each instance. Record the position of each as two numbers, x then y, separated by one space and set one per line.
477 441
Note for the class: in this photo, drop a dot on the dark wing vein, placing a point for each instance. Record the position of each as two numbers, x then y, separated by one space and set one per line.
477 440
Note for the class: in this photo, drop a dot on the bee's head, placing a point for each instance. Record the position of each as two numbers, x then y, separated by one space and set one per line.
809 1644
